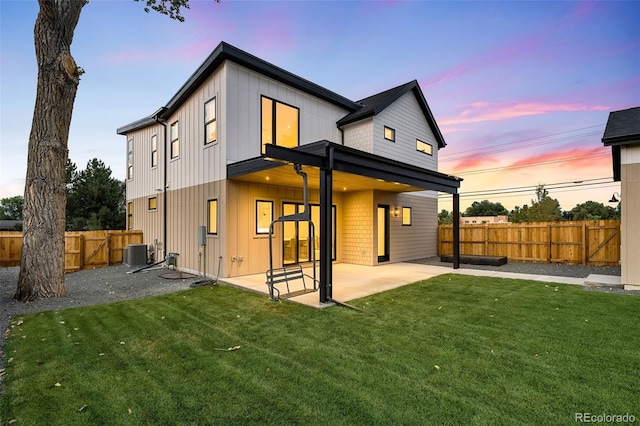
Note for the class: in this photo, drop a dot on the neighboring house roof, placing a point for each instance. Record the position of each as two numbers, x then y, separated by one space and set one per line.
623 128
224 52
375 104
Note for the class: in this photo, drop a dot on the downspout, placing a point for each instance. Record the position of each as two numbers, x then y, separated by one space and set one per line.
341 135
164 185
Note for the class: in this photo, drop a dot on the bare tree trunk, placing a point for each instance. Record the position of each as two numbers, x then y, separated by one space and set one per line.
42 260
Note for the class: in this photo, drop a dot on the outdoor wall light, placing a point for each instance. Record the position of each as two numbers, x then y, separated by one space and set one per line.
614 199
396 212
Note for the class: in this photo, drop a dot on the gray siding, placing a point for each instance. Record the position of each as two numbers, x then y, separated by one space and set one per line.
405 116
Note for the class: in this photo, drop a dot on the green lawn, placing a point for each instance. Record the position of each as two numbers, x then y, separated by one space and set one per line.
449 350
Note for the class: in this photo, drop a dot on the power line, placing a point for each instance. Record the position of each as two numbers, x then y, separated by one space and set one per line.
533 187
520 141
518 191
539 163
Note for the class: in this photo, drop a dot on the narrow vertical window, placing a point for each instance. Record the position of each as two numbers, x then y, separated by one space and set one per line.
130 159
153 203
264 216
280 124
210 132
154 151
424 147
129 215
406 216
389 134
212 217
175 141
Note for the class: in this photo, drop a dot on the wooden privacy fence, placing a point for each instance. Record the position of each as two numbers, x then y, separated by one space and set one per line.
593 242
82 250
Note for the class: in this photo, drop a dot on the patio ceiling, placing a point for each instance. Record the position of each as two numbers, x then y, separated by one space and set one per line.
285 175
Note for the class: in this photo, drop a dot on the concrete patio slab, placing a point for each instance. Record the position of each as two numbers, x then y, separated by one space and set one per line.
595 280
355 281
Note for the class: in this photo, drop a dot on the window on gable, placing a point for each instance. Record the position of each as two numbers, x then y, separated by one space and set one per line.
406 216
175 141
424 147
154 151
264 216
129 215
389 134
130 159
280 123
212 217
153 203
210 132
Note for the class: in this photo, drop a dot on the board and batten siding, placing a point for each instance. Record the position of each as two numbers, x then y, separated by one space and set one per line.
198 163
146 179
630 221
243 125
406 117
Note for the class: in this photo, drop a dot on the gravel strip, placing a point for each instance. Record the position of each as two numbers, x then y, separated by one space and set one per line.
86 288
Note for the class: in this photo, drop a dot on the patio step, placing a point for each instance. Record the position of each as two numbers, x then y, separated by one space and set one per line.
476 259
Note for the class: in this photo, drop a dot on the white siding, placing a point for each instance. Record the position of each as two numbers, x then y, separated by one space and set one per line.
146 179
244 89
406 117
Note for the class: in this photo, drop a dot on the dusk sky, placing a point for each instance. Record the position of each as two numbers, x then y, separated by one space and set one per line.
520 90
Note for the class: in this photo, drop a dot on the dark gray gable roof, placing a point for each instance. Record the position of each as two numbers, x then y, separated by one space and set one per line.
224 52
623 127
373 105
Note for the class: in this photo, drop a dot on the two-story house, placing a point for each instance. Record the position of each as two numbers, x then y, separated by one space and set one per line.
201 161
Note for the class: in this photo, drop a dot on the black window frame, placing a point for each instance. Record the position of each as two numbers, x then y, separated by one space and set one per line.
393 131
274 120
149 208
214 121
174 141
154 151
430 153
130 158
258 232
213 200
402 209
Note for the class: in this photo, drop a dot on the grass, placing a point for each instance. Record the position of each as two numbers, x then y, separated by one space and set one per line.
449 350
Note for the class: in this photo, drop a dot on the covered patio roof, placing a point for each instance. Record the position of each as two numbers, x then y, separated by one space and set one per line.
332 165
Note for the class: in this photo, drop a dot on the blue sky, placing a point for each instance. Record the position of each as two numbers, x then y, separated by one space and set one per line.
521 90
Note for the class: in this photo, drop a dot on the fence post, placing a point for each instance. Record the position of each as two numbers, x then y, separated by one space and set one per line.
81 249
585 244
549 231
108 241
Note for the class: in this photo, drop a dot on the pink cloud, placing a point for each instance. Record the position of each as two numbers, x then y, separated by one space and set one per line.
573 158
486 111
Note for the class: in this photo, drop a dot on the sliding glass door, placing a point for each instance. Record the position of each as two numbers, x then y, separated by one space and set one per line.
296 242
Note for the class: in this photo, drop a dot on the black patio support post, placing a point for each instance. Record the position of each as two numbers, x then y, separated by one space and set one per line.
326 200
456 231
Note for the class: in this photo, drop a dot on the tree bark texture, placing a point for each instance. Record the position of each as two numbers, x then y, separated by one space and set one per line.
42 259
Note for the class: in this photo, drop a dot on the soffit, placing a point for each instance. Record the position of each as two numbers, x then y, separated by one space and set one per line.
286 176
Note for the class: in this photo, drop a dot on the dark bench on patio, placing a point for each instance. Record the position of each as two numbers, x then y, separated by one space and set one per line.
470 259
286 275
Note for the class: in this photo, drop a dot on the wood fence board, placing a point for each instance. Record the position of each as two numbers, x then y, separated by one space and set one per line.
106 248
576 242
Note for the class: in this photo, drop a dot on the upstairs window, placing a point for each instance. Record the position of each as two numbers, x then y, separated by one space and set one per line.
154 151
389 134
175 141
280 123
153 203
130 159
424 147
210 132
